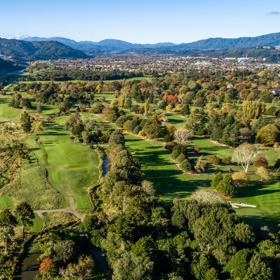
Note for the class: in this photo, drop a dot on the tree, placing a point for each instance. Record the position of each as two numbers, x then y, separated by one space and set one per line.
244 155
47 267
182 136
64 250
200 165
83 269
253 109
197 122
268 135
258 269
238 264
26 123
117 138
25 215
7 223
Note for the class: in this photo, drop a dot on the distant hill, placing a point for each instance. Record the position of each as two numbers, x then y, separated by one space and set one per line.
24 50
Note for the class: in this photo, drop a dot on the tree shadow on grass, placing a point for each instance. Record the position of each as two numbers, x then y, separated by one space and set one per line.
166 180
176 121
255 188
52 133
4 100
259 221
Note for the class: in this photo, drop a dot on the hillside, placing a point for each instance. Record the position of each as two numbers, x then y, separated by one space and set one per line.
7 66
23 50
233 43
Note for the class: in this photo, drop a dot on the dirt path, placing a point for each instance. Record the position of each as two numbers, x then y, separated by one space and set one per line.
70 209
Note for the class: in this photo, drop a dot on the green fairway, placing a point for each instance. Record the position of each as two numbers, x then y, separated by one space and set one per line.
159 168
6 112
175 119
171 183
60 169
71 167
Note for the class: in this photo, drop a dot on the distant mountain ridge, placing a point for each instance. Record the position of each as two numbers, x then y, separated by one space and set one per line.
104 46
34 48
114 45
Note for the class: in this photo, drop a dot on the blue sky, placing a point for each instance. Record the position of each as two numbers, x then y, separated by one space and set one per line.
143 21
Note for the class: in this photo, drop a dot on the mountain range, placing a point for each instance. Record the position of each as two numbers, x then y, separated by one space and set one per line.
32 48
117 46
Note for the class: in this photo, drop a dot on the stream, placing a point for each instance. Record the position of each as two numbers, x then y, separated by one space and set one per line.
30 264
105 165
29 268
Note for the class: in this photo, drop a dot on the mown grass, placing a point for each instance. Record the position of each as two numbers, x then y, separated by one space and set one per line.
71 167
171 183
6 112
60 169
159 168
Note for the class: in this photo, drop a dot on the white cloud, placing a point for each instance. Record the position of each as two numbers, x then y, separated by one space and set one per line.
274 13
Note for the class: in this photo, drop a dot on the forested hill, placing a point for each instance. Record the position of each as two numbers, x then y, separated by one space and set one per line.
272 39
22 50
7 66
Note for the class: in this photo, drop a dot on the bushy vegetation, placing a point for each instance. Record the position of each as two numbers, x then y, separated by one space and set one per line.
213 130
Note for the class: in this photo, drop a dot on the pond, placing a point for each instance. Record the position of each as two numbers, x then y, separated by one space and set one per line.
29 268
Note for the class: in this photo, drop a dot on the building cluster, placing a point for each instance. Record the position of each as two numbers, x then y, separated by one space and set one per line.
147 64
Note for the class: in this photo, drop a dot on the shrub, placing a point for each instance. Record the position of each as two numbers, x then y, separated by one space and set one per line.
260 161
208 197
216 180
226 160
137 129
169 146
111 113
240 176
186 165
200 165
168 137
215 160
263 173
227 186
97 108
121 120
180 158
277 164
177 150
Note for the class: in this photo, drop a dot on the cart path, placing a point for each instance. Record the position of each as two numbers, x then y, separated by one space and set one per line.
70 209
